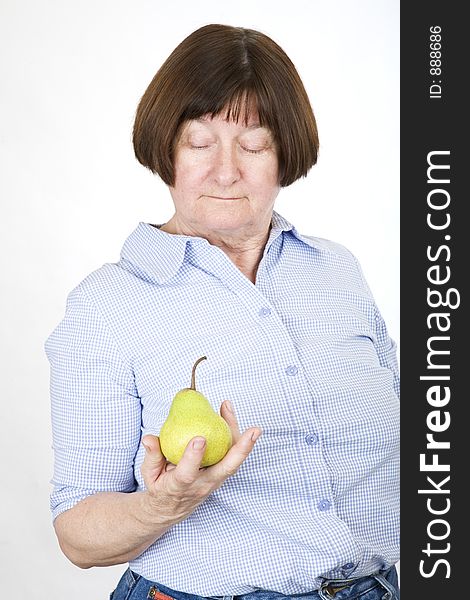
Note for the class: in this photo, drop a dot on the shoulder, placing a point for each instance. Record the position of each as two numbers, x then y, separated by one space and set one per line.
329 249
335 259
89 322
328 246
106 283
103 299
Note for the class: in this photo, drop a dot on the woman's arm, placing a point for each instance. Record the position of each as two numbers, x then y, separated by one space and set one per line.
110 528
107 528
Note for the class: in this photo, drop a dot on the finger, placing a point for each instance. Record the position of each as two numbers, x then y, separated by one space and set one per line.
154 461
231 462
187 469
228 414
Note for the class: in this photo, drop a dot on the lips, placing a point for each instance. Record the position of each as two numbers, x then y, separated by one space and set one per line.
226 197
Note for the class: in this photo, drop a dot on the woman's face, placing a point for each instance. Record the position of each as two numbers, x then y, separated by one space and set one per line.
226 177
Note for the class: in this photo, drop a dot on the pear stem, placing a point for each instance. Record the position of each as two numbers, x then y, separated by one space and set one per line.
193 374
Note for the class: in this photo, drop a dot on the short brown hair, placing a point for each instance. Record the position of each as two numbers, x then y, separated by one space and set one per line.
216 68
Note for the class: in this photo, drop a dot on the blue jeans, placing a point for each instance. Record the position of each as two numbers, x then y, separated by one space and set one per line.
380 586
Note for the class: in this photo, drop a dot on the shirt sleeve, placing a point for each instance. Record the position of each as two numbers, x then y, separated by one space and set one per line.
385 346
95 408
387 350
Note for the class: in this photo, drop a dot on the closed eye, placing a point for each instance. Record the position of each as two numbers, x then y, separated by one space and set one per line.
252 150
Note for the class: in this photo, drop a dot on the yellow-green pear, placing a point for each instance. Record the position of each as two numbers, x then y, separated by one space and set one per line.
191 415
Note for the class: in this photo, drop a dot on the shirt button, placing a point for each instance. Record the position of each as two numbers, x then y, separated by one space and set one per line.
324 505
348 566
265 312
311 438
292 370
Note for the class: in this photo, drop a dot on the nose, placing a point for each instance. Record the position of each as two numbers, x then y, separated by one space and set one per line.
226 170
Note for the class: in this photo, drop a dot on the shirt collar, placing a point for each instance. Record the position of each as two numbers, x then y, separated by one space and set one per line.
158 255
154 253
280 224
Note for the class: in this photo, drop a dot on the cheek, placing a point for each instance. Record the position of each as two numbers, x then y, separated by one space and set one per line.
189 170
188 182
264 169
265 181
183 190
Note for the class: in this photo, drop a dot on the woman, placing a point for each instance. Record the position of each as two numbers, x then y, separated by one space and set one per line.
292 336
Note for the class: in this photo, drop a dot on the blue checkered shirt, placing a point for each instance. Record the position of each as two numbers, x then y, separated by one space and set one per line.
303 353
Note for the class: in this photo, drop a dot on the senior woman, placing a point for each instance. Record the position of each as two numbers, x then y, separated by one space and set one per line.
296 347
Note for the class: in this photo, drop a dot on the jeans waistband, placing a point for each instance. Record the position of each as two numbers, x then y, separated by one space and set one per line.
385 584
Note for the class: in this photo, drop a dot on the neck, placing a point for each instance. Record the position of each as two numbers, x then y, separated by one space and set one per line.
246 259
245 250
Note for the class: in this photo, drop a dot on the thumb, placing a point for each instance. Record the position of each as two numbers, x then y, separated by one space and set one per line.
154 461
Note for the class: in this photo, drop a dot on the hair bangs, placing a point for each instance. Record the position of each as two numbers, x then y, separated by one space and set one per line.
238 106
242 105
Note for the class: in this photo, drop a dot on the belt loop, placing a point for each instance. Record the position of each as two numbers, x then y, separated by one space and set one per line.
130 577
391 592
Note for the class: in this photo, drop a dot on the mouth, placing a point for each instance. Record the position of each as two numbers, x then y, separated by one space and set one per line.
226 197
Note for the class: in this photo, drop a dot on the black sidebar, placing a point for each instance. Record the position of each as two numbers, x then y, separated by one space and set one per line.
434 339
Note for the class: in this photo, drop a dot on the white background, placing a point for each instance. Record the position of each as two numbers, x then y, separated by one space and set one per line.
71 75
